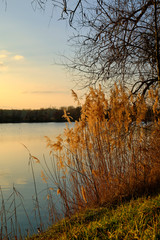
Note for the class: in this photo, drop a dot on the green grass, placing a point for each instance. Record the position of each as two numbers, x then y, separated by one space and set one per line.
137 219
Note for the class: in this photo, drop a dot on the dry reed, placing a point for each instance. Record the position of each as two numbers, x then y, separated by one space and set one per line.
109 155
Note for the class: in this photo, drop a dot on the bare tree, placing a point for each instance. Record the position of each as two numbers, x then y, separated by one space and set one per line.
114 40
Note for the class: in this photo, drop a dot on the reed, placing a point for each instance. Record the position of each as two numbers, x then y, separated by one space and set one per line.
10 224
109 155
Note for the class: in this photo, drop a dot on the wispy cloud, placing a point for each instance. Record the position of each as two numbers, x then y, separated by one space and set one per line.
18 57
3 67
3 56
10 55
5 52
7 58
45 92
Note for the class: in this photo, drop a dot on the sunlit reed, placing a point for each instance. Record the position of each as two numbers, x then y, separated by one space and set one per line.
112 152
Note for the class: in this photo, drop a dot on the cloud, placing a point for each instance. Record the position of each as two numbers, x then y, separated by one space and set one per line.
45 92
3 56
10 55
3 67
18 57
4 52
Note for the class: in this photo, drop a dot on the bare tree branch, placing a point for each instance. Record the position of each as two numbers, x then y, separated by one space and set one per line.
115 40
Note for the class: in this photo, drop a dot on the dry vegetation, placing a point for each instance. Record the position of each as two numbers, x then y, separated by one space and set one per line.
109 155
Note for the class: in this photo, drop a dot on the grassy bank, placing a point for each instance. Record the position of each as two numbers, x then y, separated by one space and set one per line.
137 219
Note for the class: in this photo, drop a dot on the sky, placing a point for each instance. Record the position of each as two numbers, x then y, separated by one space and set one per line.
30 44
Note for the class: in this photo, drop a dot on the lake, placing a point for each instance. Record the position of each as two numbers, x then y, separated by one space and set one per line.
15 170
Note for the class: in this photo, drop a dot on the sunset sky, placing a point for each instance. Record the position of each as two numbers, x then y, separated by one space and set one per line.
29 46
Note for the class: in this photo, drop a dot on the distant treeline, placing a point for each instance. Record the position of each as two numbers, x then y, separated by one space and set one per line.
39 115
50 115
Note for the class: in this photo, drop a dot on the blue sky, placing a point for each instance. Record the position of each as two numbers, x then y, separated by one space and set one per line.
29 46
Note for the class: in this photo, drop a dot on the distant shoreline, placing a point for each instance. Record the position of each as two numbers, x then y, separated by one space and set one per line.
38 115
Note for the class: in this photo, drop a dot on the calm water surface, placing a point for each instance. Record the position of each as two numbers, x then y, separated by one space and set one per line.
14 158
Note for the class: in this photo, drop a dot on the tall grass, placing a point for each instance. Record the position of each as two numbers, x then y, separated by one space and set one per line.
109 155
9 222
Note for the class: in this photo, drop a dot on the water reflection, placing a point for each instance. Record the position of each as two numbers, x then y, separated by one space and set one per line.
14 158
13 155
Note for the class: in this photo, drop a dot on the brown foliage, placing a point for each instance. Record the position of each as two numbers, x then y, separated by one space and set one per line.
109 155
